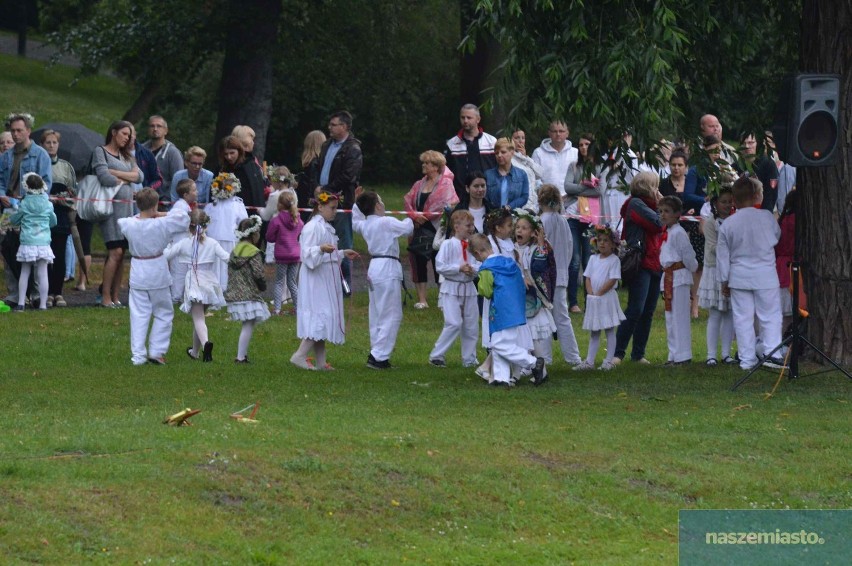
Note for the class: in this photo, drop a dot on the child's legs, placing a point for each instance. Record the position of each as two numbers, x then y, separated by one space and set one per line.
681 309
385 317
543 348
161 328
727 328
304 350
70 258
506 346
199 325
245 339
23 280
319 350
278 289
714 324
470 330
451 308
293 282
564 330
742 306
594 344
178 271
43 284
610 344
767 306
140 316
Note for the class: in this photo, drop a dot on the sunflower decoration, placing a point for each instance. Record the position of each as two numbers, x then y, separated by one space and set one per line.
602 231
224 186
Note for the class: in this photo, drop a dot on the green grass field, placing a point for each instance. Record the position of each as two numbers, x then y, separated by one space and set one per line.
411 465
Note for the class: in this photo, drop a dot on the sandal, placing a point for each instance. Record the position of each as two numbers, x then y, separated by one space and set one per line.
189 353
711 362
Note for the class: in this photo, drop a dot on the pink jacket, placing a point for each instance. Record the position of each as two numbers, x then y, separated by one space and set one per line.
284 232
444 194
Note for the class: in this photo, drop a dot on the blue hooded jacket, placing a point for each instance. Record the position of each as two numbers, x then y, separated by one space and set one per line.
507 308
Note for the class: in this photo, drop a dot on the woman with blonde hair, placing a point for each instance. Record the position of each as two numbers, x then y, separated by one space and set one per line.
507 185
641 227
308 179
425 203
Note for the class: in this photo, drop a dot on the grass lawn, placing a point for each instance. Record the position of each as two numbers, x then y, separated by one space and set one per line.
412 465
51 94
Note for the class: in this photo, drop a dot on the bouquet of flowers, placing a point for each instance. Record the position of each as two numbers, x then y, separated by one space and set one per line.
224 186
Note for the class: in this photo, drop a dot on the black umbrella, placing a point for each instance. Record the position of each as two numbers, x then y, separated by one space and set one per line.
75 144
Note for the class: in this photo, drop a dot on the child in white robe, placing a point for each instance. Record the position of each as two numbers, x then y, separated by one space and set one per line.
457 298
558 233
226 211
384 276
319 318
678 261
745 260
187 193
201 258
148 233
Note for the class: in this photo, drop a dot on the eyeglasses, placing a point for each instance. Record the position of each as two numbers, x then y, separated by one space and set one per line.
193 164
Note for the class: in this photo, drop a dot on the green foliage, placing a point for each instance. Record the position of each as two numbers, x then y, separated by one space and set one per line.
652 66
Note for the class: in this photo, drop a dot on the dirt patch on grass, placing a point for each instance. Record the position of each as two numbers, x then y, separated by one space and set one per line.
554 463
224 499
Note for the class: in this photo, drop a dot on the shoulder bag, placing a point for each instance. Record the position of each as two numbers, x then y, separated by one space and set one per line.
95 200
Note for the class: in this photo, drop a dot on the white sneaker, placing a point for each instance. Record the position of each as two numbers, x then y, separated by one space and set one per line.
420 306
583 366
606 366
483 373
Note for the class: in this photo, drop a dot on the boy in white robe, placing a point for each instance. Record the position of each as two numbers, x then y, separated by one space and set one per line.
678 261
384 276
148 233
745 263
457 299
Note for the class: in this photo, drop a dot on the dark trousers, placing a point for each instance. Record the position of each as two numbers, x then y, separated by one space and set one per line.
642 295
56 270
579 258
343 226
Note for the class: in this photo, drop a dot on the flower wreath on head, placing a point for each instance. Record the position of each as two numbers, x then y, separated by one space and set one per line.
534 220
596 230
255 227
275 177
324 198
28 118
224 186
36 191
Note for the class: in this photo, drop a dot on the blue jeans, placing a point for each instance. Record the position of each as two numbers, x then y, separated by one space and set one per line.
343 226
582 253
642 295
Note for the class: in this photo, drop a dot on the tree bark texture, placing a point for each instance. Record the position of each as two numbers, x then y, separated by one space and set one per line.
139 108
825 215
245 91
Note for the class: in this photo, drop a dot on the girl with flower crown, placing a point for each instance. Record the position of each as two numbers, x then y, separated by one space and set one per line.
202 259
319 317
246 282
226 211
35 216
603 311
537 263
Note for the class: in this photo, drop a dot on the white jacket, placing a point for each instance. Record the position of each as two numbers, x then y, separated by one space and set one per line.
555 164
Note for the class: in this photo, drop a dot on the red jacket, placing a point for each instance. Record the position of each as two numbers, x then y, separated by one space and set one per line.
640 213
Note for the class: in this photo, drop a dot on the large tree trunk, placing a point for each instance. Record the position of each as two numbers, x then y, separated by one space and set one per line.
825 228
245 91
140 106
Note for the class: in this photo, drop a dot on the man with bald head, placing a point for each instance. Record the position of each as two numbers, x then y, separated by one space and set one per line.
710 126
471 149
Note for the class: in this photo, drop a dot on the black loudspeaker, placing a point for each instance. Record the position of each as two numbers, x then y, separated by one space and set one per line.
807 121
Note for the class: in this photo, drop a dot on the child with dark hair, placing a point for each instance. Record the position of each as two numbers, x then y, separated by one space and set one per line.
283 235
678 261
187 195
384 275
148 233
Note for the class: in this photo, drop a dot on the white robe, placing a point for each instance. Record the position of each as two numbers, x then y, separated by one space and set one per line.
320 312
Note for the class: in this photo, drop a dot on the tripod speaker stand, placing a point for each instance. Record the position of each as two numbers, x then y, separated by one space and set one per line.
796 339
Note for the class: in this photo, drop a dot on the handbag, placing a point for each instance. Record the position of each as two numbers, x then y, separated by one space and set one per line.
421 242
94 200
630 255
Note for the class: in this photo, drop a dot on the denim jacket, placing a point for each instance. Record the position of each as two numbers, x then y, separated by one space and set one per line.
519 187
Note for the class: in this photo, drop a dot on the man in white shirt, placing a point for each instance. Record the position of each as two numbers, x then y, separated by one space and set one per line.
555 155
